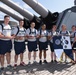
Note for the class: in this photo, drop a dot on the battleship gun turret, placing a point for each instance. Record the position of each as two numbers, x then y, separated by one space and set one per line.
47 17
16 17
25 13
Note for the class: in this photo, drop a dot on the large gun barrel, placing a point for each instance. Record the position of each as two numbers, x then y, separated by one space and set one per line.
15 16
24 13
18 8
37 7
10 13
48 17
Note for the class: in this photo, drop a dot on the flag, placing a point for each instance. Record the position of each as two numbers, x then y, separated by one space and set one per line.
58 48
67 46
62 44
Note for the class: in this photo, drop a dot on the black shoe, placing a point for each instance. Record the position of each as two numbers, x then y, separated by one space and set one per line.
9 67
45 61
40 62
51 61
2 68
55 61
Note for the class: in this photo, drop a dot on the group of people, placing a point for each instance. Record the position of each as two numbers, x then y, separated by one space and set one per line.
35 38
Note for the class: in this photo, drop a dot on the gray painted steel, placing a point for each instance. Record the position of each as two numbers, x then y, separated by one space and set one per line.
10 13
39 8
69 20
19 9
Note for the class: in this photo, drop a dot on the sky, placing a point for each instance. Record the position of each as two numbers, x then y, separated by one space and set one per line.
51 5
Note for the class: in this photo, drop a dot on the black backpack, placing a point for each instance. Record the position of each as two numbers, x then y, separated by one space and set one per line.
75 34
66 32
41 32
31 31
18 30
2 26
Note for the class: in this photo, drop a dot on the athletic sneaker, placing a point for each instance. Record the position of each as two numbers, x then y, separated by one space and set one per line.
55 61
40 62
29 63
9 67
22 64
34 62
2 68
15 65
45 62
66 61
51 61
